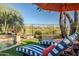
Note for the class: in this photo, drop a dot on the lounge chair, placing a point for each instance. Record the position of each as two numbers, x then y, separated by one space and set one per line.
36 50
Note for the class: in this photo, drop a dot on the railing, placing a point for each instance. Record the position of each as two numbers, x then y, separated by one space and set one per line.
30 29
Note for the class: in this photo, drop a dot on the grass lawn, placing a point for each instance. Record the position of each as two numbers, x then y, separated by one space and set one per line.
13 52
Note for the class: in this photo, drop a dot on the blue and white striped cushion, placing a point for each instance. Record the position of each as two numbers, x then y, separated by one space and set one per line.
73 37
32 50
63 44
46 42
36 50
60 47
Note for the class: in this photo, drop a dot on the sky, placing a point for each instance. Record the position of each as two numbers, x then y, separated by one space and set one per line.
33 16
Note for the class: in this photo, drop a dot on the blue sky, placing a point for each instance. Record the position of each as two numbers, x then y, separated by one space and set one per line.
33 16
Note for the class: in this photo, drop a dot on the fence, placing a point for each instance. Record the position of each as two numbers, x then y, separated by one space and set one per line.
44 28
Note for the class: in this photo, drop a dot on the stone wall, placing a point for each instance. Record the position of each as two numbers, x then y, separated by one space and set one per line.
5 36
6 39
10 38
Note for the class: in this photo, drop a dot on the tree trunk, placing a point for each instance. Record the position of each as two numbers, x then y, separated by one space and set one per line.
62 23
71 22
73 25
65 24
75 21
5 25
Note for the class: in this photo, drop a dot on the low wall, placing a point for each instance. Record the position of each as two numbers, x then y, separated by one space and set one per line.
9 41
5 36
10 38
6 39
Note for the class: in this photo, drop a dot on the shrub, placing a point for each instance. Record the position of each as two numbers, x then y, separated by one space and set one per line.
38 34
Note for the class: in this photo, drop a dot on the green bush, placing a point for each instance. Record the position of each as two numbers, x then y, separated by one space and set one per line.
38 34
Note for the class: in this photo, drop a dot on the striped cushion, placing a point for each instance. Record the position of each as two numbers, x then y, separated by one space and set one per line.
60 47
63 44
47 50
73 37
36 50
46 42
32 50
50 42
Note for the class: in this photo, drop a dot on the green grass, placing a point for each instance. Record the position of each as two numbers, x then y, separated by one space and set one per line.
13 52
10 52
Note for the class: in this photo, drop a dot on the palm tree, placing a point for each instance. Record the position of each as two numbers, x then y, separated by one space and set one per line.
16 22
10 19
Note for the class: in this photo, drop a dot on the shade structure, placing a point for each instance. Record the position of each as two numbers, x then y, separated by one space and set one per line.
58 6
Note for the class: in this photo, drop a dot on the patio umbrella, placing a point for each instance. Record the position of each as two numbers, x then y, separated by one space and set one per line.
60 7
